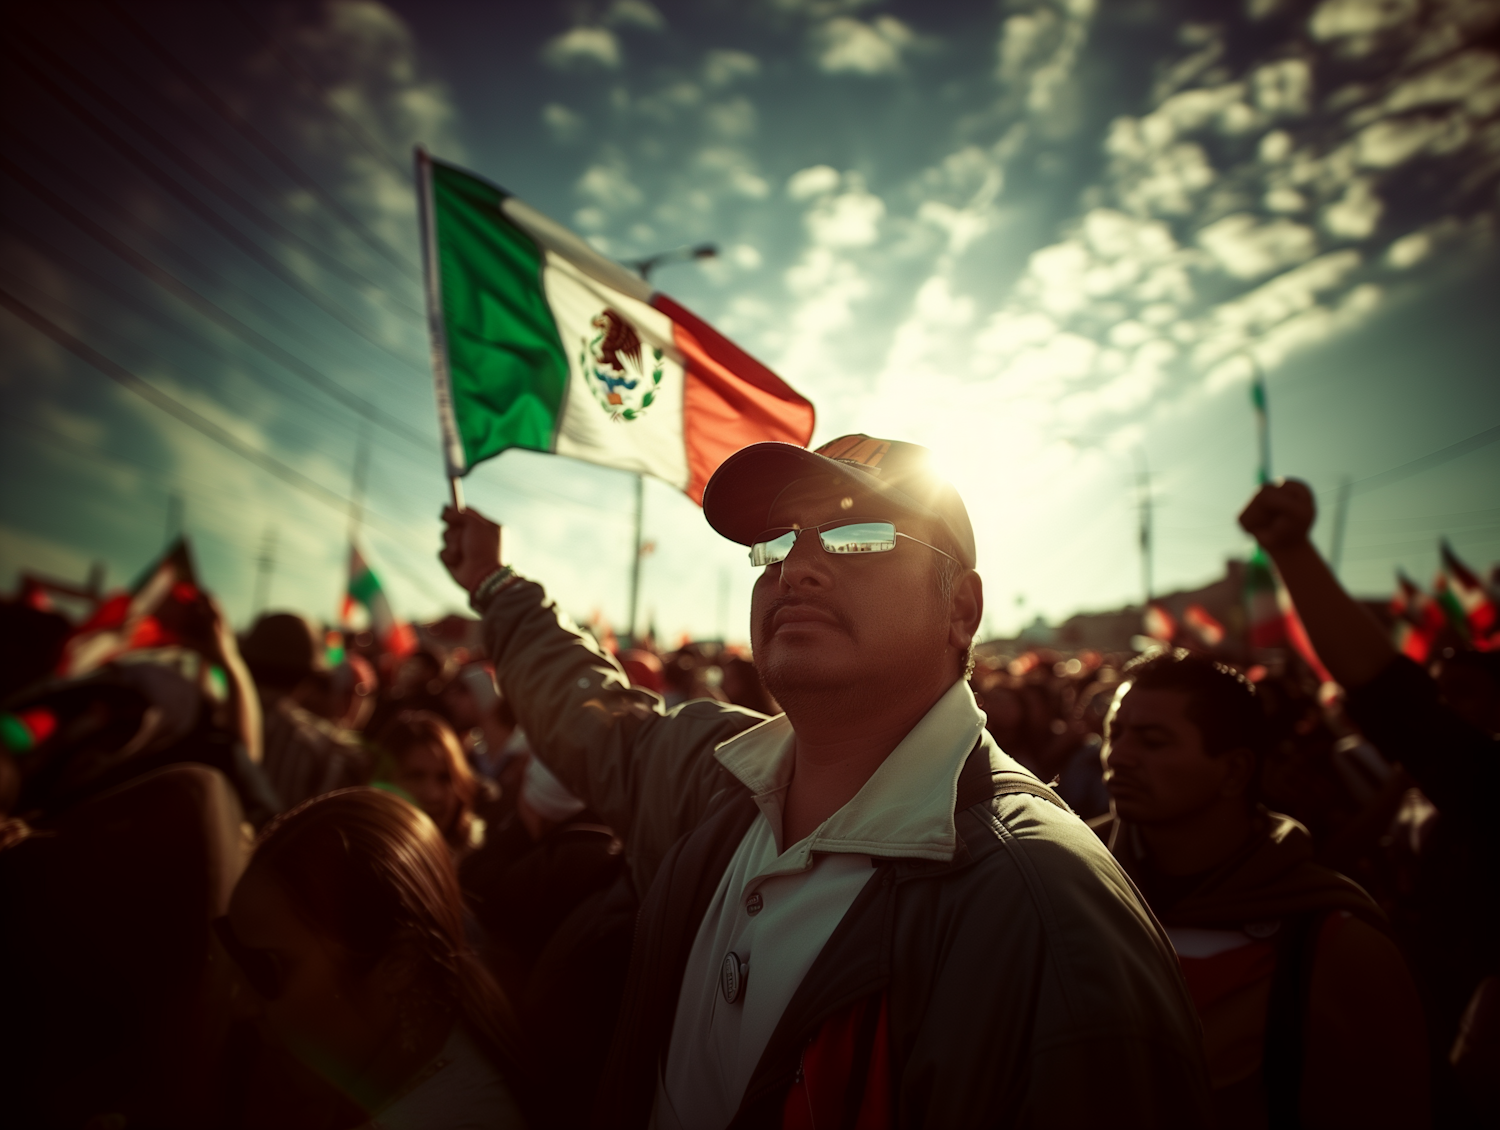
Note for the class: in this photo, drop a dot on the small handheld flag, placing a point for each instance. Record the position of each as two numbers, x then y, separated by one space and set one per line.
1472 595
540 342
365 589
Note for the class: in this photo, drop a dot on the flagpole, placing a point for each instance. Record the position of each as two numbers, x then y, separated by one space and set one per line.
1262 415
437 331
1340 517
1143 486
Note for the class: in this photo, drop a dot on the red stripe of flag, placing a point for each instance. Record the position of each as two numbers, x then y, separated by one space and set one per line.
730 400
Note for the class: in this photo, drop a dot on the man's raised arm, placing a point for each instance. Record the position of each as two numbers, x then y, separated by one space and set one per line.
648 775
1346 637
1391 699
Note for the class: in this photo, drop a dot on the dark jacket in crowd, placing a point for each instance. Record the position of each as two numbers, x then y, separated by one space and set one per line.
1309 1013
1021 983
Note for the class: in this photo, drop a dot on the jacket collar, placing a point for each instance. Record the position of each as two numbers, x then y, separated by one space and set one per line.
905 810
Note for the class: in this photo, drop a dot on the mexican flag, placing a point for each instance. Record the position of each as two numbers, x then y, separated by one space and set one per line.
540 342
1419 620
1296 632
1267 626
364 589
1158 623
1203 624
134 620
1472 596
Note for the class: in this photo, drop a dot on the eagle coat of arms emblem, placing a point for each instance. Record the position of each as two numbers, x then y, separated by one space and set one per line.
615 365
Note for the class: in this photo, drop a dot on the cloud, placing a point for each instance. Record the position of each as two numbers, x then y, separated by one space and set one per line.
609 187
1409 250
367 60
1394 141
849 219
1249 248
1338 19
744 256
720 68
583 47
846 45
812 182
734 119
1283 88
1037 53
635 13
1469 76
734 169
564 124
1356 214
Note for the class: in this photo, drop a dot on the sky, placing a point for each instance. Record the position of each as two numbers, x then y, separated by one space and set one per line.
1053 240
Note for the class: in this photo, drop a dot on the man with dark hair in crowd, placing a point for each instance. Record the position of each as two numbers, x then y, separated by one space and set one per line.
861 911
1442 733
305 755
1309 1014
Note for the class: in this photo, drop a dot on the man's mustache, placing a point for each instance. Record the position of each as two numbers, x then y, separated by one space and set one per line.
785 602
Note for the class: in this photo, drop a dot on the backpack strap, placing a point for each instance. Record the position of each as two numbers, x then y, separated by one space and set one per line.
1286 1018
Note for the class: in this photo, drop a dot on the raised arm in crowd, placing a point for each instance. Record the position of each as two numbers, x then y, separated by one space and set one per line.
1392 699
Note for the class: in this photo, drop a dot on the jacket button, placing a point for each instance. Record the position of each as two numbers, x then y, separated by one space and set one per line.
754 903
732 976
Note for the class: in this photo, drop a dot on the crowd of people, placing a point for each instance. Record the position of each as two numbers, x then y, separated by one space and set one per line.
863 873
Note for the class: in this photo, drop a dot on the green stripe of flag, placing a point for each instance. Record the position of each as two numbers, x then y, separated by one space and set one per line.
506 362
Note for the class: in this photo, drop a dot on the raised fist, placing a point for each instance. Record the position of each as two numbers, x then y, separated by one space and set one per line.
471 546
1280 515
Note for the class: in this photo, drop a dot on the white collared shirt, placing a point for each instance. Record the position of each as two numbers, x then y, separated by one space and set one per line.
776 909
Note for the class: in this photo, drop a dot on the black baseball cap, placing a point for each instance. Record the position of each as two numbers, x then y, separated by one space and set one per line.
739 495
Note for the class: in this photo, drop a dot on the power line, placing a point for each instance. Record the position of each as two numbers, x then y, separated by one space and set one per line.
1428 461
368 141
269 148
104 203
308 401
268 224
172 406
228 231
211 310
193 419
165 477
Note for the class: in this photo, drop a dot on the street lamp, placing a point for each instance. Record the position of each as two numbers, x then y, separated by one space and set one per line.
644 267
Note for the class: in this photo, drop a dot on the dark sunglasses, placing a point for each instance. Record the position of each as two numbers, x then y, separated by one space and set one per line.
260 967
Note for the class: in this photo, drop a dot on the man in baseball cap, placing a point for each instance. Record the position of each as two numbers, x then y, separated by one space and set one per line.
859 911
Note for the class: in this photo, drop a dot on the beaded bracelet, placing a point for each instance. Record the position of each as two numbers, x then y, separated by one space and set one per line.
489 587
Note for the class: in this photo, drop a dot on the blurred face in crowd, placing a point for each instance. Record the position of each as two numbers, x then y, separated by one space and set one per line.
425 772
299 988
1155 766
822 621
1471 694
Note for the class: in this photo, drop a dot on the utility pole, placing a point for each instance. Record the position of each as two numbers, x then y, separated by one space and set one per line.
644 267
1340 517
357 479
266 564
174 517
1143 493
635 561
